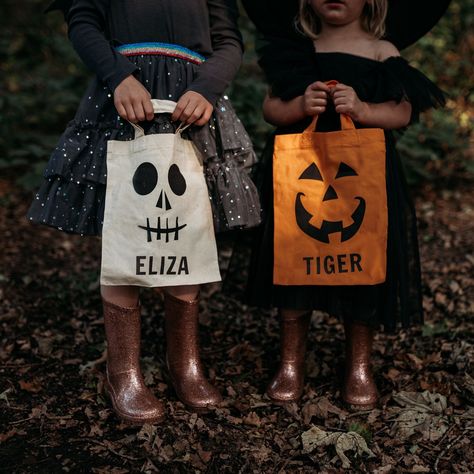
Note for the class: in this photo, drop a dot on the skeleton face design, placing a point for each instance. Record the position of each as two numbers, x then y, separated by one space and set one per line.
145 181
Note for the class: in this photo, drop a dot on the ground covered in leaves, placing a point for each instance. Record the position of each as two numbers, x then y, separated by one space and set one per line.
54 415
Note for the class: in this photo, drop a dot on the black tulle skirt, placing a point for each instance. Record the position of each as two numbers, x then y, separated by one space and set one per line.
395 303
71 197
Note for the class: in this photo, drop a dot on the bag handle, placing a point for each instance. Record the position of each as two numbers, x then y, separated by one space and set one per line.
159 107
346 122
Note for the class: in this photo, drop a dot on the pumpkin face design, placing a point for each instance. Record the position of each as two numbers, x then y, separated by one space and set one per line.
321 233
330 206
145 180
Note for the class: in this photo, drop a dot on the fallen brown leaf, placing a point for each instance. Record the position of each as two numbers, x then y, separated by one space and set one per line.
33 386
343 442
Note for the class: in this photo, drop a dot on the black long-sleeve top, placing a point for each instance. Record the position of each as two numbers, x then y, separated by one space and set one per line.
208 27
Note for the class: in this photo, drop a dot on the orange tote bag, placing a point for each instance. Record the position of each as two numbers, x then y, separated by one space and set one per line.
330 206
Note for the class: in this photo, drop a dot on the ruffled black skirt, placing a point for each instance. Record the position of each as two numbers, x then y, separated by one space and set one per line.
71 197
395 303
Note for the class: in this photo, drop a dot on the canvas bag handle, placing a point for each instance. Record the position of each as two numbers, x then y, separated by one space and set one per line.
346 121
159 107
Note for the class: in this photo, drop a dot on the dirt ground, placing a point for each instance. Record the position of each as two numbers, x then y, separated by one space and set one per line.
54 416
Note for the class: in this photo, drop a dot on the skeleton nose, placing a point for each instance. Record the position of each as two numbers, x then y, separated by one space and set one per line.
330 194
160 201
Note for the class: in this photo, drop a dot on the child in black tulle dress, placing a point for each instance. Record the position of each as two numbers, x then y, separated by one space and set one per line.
379 89
186 51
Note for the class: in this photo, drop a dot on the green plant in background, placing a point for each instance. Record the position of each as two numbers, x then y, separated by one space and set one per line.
42 81
248 90
434 148
441 145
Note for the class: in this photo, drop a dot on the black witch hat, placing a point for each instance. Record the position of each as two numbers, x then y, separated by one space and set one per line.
407 20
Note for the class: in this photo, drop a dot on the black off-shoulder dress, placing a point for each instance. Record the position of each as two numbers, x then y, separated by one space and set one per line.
398 301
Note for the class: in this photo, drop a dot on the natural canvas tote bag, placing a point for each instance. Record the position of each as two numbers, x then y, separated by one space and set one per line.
330 207
158 228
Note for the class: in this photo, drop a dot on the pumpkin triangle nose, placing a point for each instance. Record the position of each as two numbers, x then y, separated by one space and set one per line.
330 194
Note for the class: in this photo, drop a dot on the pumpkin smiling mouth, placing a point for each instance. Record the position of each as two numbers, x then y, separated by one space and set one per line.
322 233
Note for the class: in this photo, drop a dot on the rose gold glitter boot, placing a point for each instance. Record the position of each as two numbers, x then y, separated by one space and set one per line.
359 390
288 383
182 355
131 399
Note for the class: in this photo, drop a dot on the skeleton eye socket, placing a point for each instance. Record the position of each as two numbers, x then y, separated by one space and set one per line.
312 172
345 170
145 179
176 180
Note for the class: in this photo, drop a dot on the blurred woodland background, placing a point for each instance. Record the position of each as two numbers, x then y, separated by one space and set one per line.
42 81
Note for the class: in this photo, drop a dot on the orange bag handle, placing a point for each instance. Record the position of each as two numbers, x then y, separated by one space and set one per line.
346 122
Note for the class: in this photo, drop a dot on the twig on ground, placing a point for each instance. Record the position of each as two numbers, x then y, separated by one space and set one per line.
448 447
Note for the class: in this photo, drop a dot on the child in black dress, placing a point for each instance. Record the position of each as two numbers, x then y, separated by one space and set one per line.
377 89
186 51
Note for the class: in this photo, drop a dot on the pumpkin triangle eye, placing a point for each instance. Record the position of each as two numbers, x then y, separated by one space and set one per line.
345 170
312 172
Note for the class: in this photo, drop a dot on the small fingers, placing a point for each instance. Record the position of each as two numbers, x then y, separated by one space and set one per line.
195 111
187 112
316 110
321 86
131 117
316 93
340 87
139 111
341 101
315 106
344 109
338 94
121 110
319 101
197 114
206 116
319 94
193 108
178 111
148 108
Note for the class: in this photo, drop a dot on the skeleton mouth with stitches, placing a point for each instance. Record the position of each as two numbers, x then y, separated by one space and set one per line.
165 230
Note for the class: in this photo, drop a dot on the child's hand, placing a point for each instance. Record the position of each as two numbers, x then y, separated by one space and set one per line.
133 101
347 102
315 98
192 108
